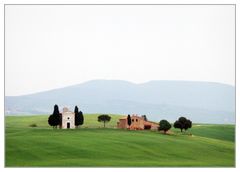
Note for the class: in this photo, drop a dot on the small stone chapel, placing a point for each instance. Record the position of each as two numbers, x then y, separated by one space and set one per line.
68 119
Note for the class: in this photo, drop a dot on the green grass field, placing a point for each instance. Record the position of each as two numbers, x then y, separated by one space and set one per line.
93 146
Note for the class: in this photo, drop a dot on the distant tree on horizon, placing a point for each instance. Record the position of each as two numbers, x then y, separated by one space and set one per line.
183 123
144 117
164 125
104 118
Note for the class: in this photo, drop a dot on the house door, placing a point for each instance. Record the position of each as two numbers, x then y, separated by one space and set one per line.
68 125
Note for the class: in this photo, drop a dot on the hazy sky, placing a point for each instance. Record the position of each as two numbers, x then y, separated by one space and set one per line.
48 47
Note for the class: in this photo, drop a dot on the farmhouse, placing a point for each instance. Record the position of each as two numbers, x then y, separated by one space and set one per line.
68 119
138 123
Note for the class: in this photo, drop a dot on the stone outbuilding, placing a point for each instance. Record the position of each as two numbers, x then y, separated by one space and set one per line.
138 123
68 119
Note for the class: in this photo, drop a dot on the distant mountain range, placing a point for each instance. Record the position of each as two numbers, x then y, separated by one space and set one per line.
202 102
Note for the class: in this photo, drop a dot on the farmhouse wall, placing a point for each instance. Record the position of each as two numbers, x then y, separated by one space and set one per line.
122 123
138 123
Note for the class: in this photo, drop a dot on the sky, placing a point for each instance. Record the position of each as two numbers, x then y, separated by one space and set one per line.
53 46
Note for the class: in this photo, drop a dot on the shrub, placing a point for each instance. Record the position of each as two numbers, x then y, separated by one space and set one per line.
33 125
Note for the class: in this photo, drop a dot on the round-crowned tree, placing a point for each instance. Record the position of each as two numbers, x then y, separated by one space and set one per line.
183 123
164 125
177 124
51 120
188 124
104 118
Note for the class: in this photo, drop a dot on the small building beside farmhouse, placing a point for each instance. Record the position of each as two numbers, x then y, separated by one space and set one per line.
138 123
68 119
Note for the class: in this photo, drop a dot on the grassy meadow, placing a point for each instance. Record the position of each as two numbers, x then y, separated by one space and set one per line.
91 145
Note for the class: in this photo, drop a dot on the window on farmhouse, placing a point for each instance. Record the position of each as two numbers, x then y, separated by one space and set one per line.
132 120
136 120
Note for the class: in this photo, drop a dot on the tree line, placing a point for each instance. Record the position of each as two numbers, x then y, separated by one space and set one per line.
55 119
181 123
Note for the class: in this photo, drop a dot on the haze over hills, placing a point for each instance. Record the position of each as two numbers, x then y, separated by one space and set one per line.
202 102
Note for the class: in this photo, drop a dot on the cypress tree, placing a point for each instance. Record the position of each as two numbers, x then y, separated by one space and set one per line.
54 119
81 118
129 121
77 117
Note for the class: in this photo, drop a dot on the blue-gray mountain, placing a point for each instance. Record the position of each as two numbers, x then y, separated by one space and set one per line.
202 102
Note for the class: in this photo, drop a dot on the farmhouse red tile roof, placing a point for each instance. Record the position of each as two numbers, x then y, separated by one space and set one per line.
123 118
149 123
135 116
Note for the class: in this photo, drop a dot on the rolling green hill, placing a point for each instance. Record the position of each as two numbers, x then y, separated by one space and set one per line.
92 145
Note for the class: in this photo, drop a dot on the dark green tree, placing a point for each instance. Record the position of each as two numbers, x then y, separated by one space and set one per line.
55 119
104 118
183 123
55 111
144 117
81 117
182 120
164 125
177 124
77 117
129 121
51 120
188 124
60 120
76 110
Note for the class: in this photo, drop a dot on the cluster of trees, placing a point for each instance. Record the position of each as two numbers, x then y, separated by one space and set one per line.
181 123
55 119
